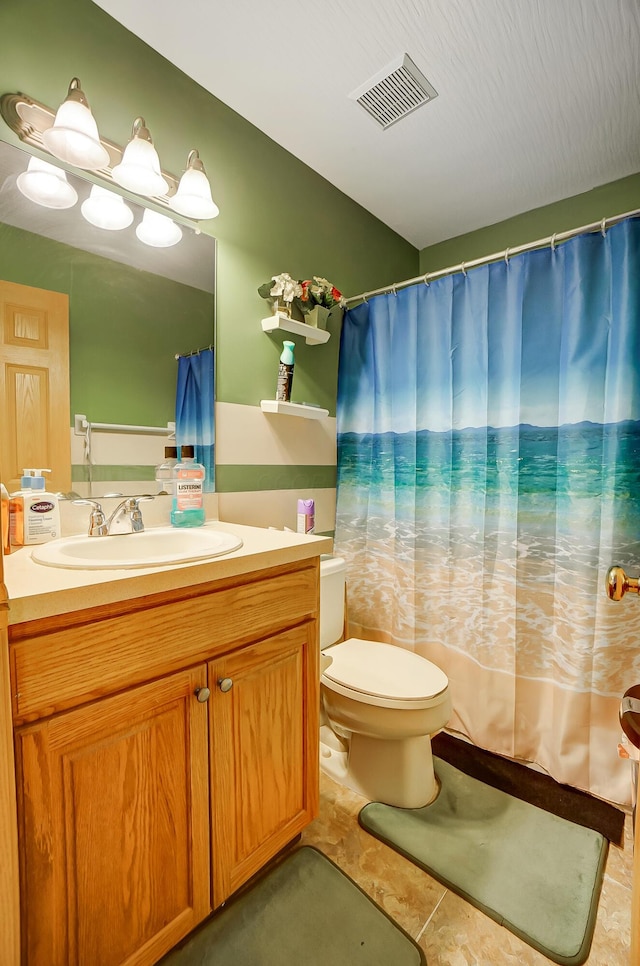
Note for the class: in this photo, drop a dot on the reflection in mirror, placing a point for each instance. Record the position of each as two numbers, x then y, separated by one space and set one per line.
132 310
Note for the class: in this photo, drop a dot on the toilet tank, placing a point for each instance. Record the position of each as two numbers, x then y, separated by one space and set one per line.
332 582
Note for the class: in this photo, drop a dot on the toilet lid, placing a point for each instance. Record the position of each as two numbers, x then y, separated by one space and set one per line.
384 670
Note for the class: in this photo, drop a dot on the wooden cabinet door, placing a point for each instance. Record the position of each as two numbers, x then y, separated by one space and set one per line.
113 817
34 384
263 736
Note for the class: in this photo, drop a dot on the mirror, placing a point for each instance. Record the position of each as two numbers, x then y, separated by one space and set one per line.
133 309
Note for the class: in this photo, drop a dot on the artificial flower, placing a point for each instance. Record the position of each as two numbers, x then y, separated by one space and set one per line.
318 291
305 294
281 287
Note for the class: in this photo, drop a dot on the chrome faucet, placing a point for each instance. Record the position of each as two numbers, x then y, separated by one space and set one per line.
126 518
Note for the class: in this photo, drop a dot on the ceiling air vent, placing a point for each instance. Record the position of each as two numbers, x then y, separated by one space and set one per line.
394 92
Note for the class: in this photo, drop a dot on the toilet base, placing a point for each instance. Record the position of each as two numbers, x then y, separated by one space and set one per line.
396 773
334 759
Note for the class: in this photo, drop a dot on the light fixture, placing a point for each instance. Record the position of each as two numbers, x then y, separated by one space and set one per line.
193 197
139 169
47 185
104 209
157 230
135 167
74 135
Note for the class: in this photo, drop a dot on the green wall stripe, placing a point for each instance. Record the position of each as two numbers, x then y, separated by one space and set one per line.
229 478
99 474
241 479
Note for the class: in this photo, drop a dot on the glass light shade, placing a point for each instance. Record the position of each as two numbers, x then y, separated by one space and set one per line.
157 230
74 136
104 209
139 170
47 185
193 197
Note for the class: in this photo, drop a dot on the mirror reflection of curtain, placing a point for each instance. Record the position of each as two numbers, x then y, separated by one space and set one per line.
488 476
194 409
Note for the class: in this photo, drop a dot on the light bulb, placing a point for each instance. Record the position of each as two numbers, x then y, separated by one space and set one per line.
157 230
193 197
104 209
47 185
139 169
74 135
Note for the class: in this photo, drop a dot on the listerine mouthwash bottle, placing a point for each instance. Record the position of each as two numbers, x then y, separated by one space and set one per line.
187 509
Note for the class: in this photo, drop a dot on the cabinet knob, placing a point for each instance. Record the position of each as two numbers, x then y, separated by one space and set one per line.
202 694
225 684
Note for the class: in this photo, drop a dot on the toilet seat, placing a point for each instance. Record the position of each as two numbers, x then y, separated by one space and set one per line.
384 675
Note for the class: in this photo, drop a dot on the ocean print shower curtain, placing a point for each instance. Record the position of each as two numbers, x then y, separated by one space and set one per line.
488 476
195 410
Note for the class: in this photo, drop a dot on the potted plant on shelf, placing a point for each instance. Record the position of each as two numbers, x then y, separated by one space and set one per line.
312 299
281 291
319 297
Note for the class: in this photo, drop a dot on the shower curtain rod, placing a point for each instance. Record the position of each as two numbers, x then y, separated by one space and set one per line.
194 352
552 240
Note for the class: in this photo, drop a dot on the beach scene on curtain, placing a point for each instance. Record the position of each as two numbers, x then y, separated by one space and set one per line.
489 465
195 395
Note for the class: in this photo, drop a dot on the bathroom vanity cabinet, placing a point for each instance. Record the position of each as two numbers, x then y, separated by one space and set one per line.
166 749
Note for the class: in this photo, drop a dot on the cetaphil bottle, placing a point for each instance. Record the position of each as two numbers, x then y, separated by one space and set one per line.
35 512
187 509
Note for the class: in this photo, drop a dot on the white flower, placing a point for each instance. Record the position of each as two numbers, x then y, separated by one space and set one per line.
285 287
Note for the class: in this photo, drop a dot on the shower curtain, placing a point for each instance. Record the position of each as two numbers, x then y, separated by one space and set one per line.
488 476
194 409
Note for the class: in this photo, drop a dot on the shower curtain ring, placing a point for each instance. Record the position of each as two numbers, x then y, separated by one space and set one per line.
553 242
463 269
506 255
393 288
426 280
603 227
364 298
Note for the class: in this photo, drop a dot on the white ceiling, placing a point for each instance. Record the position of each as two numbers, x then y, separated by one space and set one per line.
537 99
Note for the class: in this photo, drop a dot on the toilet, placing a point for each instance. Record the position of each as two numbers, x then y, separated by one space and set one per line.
380 704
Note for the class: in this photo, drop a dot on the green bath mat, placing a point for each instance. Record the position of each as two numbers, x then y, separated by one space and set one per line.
534 873
304 912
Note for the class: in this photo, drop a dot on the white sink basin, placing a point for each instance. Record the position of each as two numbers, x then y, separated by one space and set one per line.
151 548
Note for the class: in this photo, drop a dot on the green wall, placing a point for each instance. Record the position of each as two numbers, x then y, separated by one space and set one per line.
276 213
583 209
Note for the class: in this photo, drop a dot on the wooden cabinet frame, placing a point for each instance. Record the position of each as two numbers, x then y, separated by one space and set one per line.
89 692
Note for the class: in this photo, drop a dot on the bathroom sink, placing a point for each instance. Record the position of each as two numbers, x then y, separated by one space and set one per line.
152 548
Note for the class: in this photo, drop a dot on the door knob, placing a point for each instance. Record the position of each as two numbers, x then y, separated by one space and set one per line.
618 583
202 694
225 684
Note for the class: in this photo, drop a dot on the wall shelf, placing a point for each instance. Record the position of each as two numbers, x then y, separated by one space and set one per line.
293 409
312 335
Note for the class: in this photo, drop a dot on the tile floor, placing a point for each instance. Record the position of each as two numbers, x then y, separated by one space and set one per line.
450 931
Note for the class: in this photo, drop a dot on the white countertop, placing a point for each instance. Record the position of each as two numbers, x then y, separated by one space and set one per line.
37 591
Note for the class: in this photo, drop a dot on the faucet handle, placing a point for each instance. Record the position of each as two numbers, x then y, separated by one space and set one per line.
97 521
135 514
